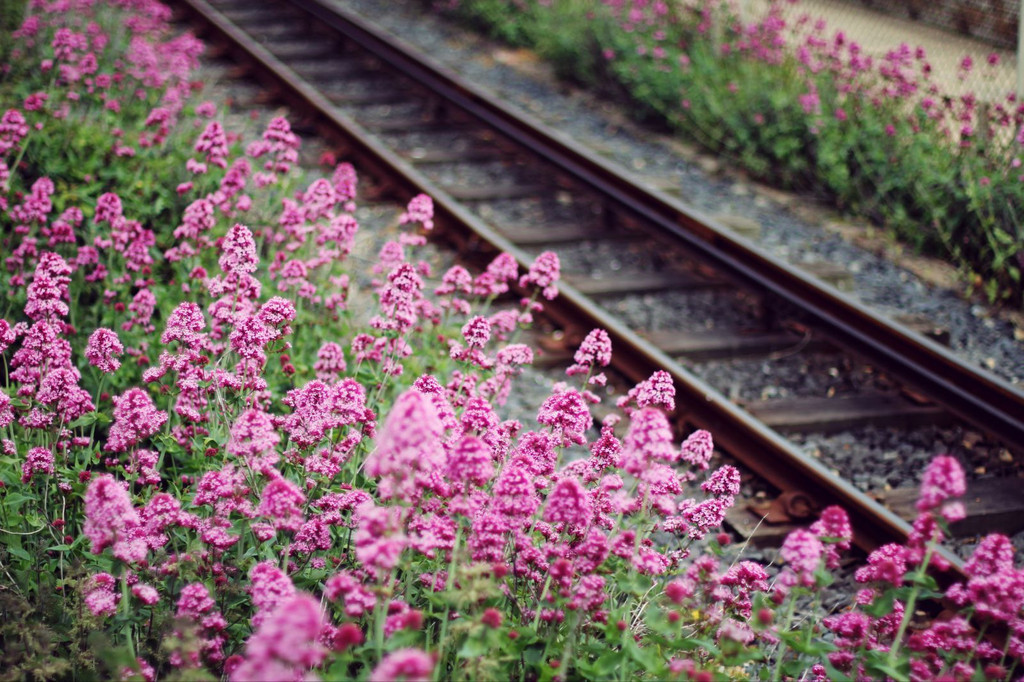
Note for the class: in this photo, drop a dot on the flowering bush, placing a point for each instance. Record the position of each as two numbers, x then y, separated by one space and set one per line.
202 479
795 105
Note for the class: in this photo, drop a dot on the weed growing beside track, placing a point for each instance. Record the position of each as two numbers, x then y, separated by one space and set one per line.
211 468
804 108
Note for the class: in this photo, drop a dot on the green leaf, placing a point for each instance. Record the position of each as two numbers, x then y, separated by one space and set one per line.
607 664
473 647
12 501
533 653
90 418
897 672
643 656
925 580
19 552
882 605
635 584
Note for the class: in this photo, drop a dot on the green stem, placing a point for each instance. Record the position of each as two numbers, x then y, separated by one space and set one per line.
449 581
540 602
781 656
908 610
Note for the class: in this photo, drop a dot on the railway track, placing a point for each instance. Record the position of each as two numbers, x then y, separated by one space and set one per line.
417 128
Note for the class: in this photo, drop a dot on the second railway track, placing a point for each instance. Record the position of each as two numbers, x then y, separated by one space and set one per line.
417 128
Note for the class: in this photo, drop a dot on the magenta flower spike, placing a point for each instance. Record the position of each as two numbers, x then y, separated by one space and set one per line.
103 350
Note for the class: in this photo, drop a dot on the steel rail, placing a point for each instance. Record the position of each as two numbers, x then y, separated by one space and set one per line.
736 431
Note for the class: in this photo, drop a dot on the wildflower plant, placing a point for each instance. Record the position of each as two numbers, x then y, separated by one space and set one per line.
798 103
211 466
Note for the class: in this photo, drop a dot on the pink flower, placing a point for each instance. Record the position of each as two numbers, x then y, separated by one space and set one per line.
344 180
59 388
6 410
238 252
802 551
7 335
810 102
515 497
184 325
492 618
698 518
607 449
544 274
100 597
408 447
725 482
678 591
248 339
943 479
477 332
994 554
745 577
469 462
589 594
649 438
36 101
319 200
276 314
420 210
37 461
13 128
49 288
456 280
833 528
494 280
697 449
135 419
657 391
427 534
487 541
213 142
569 503
568 414
141 668
194 601
269 586
330 362
407 665
347 635
147 594
343 585
319 408
142 306
103 349
378 537
595 350
851 629
286 644
254 438
110 519
282 503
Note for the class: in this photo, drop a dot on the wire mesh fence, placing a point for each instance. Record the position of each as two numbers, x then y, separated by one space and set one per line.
971 45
